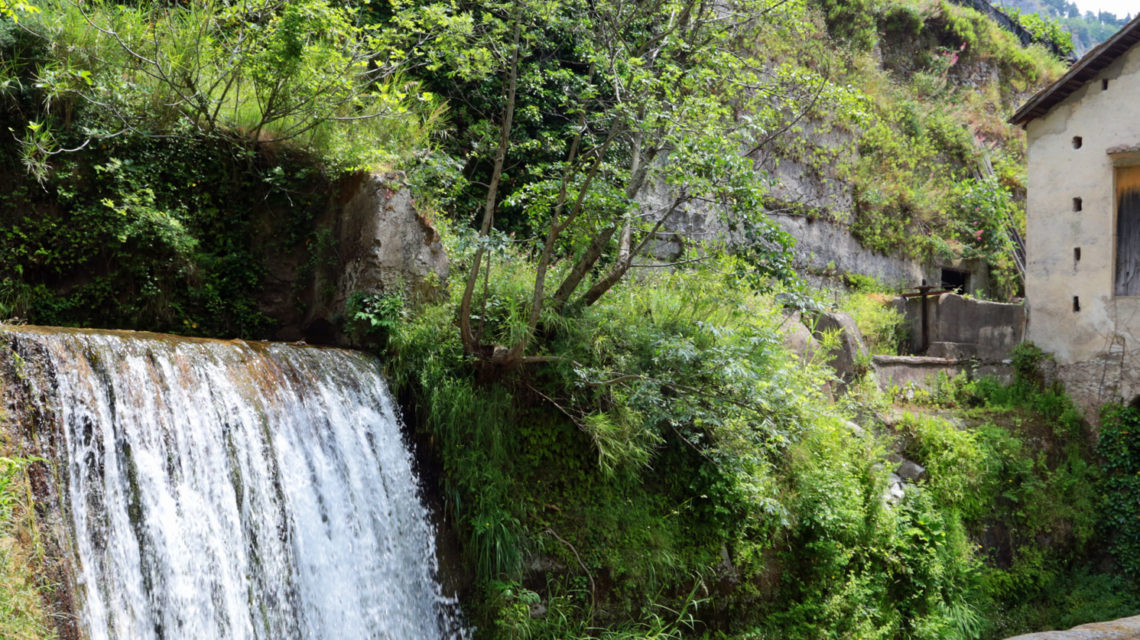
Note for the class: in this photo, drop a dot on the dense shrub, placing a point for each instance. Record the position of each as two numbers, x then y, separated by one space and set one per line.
670 456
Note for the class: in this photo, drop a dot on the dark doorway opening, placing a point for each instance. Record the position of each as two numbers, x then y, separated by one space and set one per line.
955 280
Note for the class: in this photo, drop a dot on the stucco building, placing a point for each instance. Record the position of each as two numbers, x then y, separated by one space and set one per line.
1082 281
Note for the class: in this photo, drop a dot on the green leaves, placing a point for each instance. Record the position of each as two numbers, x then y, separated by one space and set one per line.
375 316
305 71
13 8
1119 446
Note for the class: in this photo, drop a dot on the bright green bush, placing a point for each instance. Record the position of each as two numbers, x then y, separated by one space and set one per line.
1043 29
986 217
307 72
878 320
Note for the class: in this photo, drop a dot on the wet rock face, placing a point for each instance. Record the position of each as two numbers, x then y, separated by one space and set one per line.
1122 629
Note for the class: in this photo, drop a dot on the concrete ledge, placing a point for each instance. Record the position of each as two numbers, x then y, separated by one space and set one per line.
1122 629
919 371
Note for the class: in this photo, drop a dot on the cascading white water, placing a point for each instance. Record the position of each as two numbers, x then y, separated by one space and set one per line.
238 491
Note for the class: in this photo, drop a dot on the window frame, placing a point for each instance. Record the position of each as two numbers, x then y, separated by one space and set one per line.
1120 159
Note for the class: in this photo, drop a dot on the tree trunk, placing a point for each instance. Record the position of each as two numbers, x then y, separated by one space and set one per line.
639 167
625 261
470 340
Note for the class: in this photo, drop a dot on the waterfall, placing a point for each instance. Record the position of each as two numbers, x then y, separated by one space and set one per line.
233 490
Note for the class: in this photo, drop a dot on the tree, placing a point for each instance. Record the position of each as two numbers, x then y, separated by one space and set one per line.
667 95
267 70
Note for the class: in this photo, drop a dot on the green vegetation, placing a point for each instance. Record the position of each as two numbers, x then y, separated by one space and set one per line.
127 235
675 472
13 8
154 202
878 320
627 449
1045 30
141 202
1034 498
1085 30
923 137
600 124
22 596
1119 446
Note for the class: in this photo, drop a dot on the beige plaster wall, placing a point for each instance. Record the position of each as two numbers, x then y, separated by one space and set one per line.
1057 174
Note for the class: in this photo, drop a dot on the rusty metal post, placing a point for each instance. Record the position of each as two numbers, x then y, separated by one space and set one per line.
924 289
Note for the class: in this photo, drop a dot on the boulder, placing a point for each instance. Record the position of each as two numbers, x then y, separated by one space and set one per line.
895 491
850 357
797 337
910 471
385 245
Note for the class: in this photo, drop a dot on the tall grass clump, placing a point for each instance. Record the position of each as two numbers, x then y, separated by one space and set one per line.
23 614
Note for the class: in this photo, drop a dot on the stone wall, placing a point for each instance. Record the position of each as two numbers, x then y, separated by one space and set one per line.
920 372
810 204
1112 376
823 246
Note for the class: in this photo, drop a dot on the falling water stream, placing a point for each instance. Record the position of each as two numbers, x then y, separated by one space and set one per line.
233 490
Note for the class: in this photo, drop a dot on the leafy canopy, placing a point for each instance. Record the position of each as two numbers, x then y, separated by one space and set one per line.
593 125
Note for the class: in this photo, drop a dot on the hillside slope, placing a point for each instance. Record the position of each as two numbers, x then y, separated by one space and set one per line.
892 119
930 166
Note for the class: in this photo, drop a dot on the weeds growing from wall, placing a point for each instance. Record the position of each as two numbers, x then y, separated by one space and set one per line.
23 594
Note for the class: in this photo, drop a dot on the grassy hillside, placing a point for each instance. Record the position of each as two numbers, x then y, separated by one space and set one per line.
901 104
933 167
